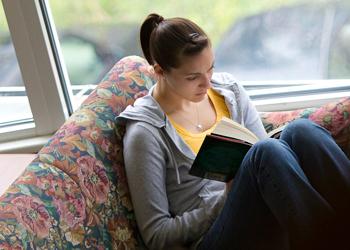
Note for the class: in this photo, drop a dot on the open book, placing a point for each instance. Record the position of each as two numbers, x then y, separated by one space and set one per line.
223 150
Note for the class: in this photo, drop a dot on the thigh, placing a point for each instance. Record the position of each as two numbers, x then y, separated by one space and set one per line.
323 162
245 221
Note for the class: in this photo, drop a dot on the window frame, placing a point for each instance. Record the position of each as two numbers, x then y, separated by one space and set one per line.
271 96
38 67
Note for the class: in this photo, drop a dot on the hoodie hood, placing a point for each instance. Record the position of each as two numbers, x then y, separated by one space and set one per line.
145 109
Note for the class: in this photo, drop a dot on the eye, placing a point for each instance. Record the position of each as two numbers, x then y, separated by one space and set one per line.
191 78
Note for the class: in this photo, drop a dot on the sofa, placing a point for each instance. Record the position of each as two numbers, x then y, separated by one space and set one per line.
74 194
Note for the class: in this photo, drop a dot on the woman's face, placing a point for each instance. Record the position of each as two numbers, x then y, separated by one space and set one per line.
192 79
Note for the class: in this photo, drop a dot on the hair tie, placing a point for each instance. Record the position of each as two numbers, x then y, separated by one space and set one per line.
159 19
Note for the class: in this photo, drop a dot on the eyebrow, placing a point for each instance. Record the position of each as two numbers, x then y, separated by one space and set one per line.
198 73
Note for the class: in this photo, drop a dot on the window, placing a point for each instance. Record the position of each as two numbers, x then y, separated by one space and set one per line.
284 49
298 42
292 55
39 72
15 109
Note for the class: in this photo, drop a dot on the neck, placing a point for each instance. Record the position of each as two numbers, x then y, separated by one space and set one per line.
169 100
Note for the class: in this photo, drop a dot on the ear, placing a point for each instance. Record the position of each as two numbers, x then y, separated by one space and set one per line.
158 71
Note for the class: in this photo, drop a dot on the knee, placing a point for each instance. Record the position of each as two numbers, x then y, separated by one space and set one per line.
265 153
300 124
300 130
267 145
266 150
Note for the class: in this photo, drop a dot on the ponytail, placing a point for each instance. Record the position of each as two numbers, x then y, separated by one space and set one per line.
151 22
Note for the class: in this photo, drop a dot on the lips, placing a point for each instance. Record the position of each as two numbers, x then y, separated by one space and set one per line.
203 93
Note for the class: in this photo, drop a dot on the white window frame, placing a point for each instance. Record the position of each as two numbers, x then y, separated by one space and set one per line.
271 96
38 68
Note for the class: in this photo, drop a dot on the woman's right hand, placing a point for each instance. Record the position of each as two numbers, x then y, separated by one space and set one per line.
228 186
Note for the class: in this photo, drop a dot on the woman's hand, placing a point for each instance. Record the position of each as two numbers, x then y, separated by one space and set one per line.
228 186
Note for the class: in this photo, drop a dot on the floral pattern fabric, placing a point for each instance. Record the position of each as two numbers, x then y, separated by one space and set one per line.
74 195
334 116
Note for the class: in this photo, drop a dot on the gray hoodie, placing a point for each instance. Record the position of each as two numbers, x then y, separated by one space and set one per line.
174 209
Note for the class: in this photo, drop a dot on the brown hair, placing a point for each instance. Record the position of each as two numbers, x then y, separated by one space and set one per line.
166 41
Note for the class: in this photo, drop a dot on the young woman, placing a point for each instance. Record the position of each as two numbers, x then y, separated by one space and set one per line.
291 193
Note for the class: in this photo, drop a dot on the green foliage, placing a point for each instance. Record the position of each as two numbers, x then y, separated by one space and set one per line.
215 17
3 23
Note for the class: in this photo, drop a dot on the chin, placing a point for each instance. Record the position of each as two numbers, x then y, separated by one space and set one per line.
198 98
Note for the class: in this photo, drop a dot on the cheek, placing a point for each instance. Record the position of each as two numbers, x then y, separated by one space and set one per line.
183 87
181 84
187 88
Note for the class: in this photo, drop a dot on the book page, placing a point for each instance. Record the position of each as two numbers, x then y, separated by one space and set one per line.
229 128
276 132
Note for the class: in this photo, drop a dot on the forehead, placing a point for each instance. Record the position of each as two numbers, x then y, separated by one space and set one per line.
199 63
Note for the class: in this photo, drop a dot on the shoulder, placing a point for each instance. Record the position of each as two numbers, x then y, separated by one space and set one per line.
143 144
141 129
223 78
142 134
226 81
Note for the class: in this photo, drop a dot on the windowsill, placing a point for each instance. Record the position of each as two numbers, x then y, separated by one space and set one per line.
297 102
29 145
17 132
11 167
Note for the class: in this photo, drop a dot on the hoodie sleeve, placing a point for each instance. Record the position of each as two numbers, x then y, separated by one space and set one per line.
250 115
145 164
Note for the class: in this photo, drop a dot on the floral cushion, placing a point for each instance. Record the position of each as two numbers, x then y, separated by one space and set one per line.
334 116
75 194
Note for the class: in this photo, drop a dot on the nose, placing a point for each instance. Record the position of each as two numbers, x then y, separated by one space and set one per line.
207 80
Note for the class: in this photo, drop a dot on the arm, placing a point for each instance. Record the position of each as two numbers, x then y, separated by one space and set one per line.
145 164
250 115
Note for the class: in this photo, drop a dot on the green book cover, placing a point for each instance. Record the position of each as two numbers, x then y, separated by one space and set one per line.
223 150
219 158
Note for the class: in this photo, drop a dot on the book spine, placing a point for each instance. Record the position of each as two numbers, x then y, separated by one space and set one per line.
210 175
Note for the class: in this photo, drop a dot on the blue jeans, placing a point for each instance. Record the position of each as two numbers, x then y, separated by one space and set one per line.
291 193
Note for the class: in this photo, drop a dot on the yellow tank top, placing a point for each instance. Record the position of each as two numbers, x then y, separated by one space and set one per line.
194 141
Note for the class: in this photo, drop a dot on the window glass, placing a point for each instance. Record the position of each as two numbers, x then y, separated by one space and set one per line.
252 39
14 104
301 41
339 56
